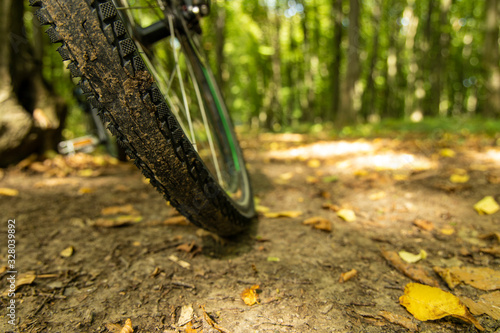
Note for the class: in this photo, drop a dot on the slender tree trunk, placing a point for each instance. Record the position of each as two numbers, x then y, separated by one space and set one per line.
348 114
492 58
274 112
337 57
368 106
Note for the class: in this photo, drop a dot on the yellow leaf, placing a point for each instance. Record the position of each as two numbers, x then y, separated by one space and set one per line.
8 192
67 252
347 215
250 296
286 213
86 173
286 175
487 205
262 209
273 259
360 173
377 196
314 163
117 221
447 231
312 180
85 190
430 303
447 152
455 178
21 280
412 258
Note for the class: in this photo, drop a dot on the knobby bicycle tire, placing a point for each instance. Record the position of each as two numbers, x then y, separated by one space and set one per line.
117 83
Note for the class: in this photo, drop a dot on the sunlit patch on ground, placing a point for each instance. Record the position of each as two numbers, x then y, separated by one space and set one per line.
491 155
324 150
389 161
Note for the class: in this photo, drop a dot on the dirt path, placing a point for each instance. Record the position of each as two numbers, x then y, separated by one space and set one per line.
167 276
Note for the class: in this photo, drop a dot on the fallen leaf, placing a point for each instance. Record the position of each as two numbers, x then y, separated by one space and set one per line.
447 231
348 275
447 152
360 173
186 315
377 196
487 304
186 247
250 295
85 173
8 192
319 223
211 322
347 215
424 224
273 259
414 272
483 278
430 303
179 262
491 235
189 328
494 250
117 221
312 180
314 163
287 213
85 190
399 320
412 258
3 268
455 178
67 252
330 206
262 209
21 280
487 205
286 176
128 327
114 210
176 220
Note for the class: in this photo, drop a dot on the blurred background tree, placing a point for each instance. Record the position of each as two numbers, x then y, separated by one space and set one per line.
287 65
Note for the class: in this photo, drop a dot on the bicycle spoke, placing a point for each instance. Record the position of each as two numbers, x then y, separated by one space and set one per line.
181 83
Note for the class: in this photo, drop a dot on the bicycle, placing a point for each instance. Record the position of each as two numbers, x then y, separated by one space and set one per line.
142 67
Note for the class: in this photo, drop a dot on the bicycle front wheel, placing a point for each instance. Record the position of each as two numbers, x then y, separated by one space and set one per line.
142 66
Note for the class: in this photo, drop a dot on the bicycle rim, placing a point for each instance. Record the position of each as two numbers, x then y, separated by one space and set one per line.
179 67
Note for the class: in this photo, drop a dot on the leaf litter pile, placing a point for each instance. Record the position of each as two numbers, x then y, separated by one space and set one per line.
369 235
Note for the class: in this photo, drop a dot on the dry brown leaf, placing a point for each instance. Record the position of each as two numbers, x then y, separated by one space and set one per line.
491 235
8 192
330 206
21 280
186 315
176 220
250 295
3 269
207 319
128 327
399 320
494 250
424 224
487 304
117 221
115 210
483 278
285 213
348 275
319 223
186 247
414 272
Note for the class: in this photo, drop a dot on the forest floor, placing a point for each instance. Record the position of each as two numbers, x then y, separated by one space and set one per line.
96 244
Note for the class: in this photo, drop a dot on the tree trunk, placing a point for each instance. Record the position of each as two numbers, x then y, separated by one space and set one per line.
492 58
337 51
31 117
348 111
